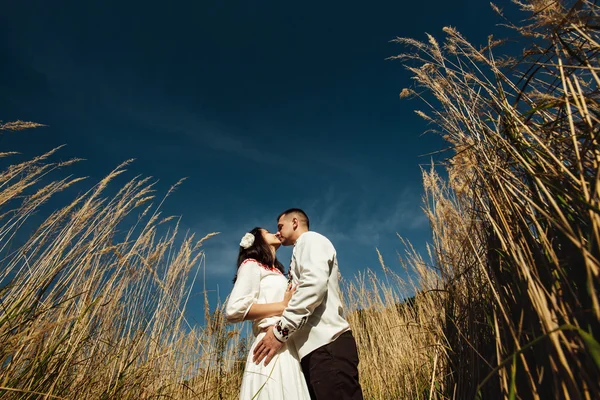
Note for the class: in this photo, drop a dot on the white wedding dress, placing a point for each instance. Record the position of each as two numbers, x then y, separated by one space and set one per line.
282 379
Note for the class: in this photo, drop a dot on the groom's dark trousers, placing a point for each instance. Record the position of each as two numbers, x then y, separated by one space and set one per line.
331 371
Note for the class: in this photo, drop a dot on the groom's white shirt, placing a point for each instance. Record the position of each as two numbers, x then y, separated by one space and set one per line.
314 315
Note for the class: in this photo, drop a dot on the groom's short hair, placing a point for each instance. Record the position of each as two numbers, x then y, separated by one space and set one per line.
298 213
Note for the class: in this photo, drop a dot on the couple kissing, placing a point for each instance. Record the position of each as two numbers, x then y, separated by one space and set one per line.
303 347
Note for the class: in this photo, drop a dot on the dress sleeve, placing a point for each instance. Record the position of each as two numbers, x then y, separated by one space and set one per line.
245 292
314 258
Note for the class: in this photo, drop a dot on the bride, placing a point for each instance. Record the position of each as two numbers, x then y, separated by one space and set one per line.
261 293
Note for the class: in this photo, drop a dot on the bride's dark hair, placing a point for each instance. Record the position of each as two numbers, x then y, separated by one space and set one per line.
259 251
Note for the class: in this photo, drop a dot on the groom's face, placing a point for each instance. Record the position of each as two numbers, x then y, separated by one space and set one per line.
286 229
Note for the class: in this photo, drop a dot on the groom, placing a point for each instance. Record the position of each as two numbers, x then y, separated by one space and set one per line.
314 315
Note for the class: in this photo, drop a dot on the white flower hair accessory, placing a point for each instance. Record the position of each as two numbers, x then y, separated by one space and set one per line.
247 240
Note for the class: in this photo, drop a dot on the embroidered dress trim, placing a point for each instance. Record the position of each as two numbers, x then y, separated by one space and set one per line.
265 266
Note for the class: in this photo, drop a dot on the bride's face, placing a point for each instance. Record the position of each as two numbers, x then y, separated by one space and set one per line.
271 239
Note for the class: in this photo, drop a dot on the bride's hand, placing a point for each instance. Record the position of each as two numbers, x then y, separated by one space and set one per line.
288 294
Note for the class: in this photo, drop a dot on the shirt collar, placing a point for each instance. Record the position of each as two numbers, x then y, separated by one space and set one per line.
299 238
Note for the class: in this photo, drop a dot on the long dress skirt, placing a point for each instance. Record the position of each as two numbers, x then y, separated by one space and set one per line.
282 379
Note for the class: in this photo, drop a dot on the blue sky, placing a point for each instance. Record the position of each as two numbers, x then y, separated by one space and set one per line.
262 105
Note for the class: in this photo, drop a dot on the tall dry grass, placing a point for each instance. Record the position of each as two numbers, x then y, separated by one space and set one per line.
399 338
92 302
517 223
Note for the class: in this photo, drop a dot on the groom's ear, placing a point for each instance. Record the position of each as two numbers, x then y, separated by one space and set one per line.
295 223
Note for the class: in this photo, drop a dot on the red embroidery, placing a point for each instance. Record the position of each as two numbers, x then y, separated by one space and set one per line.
262 265
282 331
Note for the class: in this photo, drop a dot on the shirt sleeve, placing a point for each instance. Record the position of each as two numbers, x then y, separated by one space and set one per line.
314 257
245 292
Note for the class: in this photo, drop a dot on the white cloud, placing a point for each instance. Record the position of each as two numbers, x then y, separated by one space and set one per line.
373 220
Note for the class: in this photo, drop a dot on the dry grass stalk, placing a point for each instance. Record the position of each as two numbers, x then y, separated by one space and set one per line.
517 226
18 125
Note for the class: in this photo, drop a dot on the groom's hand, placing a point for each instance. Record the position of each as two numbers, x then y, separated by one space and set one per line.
267 348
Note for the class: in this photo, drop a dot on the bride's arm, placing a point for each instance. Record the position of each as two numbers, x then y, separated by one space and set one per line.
242 305
244 294
260 311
